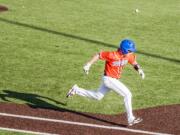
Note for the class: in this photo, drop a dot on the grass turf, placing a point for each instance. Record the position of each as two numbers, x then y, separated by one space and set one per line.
45 43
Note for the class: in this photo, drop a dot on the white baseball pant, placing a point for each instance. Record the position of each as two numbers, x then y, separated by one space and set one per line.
108 84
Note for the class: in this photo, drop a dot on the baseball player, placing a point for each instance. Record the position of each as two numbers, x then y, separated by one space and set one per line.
114 63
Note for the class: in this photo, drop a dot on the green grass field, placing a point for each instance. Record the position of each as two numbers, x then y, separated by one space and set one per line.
45 43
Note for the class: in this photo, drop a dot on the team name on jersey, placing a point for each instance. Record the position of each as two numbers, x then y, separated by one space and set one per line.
120 63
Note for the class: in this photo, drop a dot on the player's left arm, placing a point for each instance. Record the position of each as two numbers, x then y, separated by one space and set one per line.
137 67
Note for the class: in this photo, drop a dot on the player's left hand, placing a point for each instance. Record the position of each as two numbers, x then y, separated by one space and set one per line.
141 73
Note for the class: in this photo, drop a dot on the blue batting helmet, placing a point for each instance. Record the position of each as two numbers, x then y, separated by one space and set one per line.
127 45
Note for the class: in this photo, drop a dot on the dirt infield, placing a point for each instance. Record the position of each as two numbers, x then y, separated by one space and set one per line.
163 120
3 8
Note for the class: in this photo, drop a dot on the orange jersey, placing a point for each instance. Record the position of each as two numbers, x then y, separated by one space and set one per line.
115 61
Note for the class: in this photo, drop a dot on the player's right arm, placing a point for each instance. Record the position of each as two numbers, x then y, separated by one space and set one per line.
102 55
87 66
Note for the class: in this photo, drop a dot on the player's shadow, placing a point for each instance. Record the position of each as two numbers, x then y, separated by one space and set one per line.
32 100
83 39
37 101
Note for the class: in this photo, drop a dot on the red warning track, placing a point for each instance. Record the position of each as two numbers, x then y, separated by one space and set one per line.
3 8
164 120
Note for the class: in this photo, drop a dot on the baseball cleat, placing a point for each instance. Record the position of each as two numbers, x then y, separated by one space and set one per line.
72 91
135 121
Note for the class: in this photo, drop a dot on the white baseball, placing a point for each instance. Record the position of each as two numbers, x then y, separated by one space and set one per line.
137 10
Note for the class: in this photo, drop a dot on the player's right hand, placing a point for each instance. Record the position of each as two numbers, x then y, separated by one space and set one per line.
86 68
